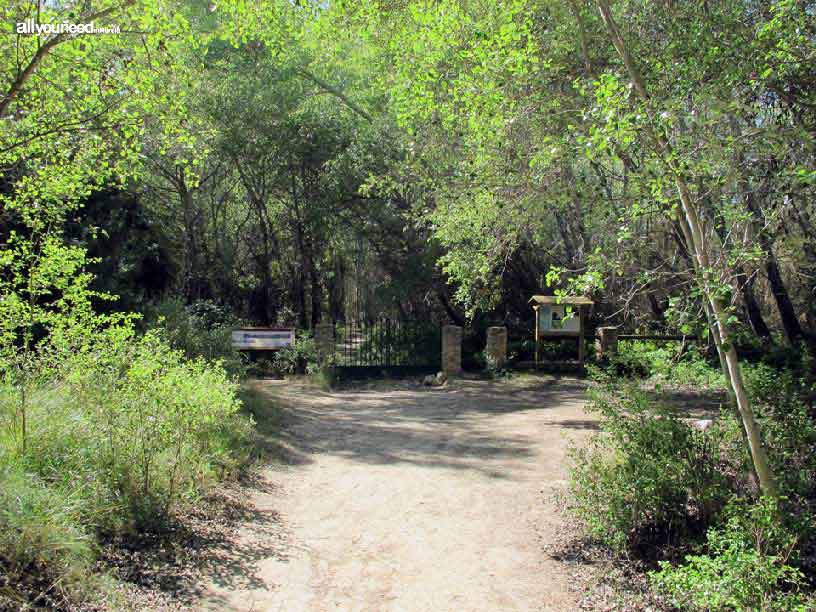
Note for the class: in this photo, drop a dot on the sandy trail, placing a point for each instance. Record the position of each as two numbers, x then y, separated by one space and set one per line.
411 499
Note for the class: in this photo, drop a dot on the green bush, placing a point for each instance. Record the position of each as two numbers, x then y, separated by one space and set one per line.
520 349
553 350
298 358
202 329
651 485
120 432
788 430
649 477
745 569
492 368
661 363
160 424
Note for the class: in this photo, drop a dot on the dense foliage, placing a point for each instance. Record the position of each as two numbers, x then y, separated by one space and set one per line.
119 432
289 163
747 567
663 487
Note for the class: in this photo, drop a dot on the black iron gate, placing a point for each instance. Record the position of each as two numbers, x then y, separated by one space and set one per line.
387 347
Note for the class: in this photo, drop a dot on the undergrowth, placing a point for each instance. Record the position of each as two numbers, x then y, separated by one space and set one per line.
120 432
677 495
668 363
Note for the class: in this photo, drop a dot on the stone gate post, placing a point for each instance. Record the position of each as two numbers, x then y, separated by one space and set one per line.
451 349
607 342
496 347
324 341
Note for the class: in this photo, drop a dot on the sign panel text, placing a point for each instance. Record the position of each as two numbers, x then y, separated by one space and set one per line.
262 339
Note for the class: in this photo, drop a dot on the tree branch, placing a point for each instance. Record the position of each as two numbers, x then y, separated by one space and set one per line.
22 78
335 92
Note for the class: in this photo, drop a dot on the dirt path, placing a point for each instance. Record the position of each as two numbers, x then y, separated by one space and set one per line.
411 499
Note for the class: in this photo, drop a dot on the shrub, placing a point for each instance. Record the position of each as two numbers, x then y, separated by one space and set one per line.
201 329
553 350
156 421
649 479
520 349
662 363
746 567
300 357
652 485
493 368
120 431
42 542
789 432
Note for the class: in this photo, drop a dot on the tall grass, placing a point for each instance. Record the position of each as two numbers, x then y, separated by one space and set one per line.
120 431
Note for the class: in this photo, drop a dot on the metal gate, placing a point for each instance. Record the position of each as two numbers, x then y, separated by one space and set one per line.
387 348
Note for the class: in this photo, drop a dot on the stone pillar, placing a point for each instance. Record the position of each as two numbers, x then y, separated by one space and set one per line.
324 341
496 347
451 349
607 342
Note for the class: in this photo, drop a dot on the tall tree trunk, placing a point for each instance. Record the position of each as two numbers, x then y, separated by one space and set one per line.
755 318
787 314
809 249
658 313
582 36
455 316
300 298
745 282
337 291
193 281
316 295
698 243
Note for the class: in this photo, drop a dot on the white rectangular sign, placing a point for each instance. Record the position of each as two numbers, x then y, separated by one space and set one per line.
555 318
262 339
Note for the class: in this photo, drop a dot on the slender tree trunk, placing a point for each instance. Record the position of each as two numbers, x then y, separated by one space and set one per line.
744 281
193 280
752 309
336 286
698 243
805 224
455 316
569 245
582 36
300 295
265 309
787 314
657 311
317 301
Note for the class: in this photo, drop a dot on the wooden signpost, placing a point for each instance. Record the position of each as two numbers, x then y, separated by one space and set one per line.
560 317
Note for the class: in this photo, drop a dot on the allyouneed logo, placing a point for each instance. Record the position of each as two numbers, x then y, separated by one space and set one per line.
29 26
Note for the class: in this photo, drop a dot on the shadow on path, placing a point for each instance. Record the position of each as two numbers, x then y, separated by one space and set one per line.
461 426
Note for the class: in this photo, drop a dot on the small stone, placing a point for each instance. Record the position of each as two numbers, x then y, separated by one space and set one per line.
702 424
441 378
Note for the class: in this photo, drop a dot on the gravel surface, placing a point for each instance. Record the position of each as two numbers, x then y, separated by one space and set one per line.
404 497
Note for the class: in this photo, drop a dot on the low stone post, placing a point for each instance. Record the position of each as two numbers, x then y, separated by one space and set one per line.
607 342
451 349
324 341
496 347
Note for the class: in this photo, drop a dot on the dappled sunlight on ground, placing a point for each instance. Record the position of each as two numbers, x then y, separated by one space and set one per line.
402 497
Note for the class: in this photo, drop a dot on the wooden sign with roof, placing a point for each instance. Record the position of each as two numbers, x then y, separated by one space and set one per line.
558 317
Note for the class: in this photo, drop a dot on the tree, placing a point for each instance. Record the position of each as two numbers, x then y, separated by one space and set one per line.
710 278
544 146
71 119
